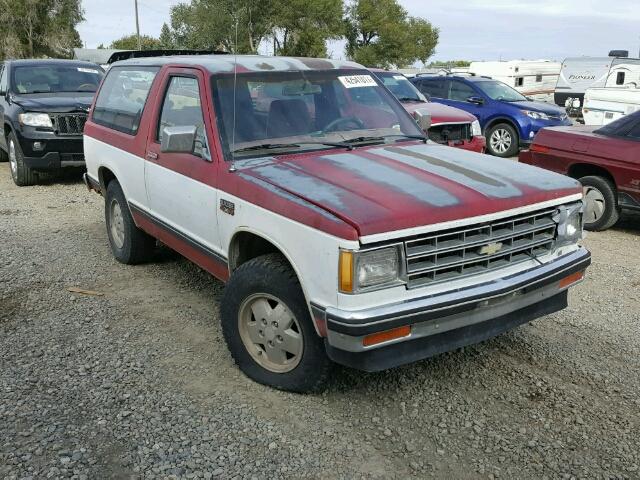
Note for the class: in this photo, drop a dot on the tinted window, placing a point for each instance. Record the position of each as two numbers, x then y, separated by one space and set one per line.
621 126
635 131
122 98
436 87
620 78
182 108
56 78
460 91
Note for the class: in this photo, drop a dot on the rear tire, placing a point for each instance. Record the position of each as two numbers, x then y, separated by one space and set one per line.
268 329
601 203
21 174
129 244
502 140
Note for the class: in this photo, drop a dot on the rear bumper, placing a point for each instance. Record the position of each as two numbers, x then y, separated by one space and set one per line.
448 321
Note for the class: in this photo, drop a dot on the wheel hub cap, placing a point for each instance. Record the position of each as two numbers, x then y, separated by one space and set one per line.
500 140
116 223
594 204
270 333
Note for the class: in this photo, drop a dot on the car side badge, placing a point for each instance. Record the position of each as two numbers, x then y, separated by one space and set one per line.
227 207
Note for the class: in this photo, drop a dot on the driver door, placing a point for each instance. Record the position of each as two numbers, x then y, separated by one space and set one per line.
181 187
459 92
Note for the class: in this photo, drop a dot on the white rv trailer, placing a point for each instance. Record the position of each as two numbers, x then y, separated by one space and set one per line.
603 105
533 78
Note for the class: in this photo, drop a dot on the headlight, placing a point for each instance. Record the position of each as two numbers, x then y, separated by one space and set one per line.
536 115
476 130
369 270
569 220
35 120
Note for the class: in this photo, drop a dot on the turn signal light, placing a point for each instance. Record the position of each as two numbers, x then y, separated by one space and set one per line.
571 279
381 337
345 271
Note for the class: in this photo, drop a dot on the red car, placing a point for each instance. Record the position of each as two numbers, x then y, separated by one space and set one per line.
606 160
449 125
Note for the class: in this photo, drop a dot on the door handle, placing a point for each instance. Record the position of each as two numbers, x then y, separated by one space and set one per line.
152 155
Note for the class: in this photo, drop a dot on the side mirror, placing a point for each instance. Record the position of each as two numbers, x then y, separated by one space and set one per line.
178 139
422 118
476 100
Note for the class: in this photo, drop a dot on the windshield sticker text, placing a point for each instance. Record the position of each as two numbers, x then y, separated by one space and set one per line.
356 81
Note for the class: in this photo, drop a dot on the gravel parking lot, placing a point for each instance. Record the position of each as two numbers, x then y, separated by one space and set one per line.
137 382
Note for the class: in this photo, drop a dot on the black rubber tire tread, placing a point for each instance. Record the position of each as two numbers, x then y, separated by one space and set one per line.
611 208
4 156
24 176
272 274
515 145
138 246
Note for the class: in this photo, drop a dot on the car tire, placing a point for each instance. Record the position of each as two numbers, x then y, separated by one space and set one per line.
268 328
129 244
601 203
21 174
502 140
4 156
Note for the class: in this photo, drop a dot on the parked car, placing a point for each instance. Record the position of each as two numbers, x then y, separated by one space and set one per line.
606 160
508 119
342 236
43 108
449 126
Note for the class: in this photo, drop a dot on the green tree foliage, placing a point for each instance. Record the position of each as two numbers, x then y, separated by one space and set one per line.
166 37
130 42
39 28
450 64
380 33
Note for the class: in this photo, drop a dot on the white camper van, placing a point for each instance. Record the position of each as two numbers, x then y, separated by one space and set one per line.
603 105
533 78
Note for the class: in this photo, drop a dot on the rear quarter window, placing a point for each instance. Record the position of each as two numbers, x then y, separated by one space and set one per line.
122 98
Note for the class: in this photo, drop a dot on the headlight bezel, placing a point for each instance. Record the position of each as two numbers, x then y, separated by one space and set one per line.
35 119
476 129
535 115
570 221
351 262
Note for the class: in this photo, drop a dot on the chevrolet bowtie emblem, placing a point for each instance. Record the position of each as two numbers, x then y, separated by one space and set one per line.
490 249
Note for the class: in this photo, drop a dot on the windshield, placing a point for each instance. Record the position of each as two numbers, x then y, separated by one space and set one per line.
303 110
500 91
56 79
403 89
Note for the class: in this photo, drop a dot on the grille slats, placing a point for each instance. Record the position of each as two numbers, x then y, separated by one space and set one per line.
484 247
69 124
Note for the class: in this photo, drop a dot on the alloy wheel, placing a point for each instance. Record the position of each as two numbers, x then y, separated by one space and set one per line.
116 223
500 140
13 161
270 333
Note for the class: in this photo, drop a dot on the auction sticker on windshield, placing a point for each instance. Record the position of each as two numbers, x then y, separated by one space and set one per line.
354 81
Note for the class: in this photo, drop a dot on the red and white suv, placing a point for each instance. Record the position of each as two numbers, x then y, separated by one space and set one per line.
342 234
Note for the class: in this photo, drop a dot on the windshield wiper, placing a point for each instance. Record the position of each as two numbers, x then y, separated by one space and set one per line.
278 146
410 99
361 140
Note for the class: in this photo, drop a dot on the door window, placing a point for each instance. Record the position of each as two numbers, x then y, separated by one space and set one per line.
436 88
620 78
182 108
460 91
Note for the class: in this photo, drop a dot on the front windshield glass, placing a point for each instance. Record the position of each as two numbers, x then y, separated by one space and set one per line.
303 110
500 91
403 89
56 79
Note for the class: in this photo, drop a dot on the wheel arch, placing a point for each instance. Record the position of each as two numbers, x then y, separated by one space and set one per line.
105 176
495 121
247 244
584 169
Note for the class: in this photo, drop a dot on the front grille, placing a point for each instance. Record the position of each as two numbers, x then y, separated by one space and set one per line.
471 250
69 124
450 133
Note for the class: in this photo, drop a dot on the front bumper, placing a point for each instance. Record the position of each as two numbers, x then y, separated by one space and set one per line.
440 323
476 144
58 152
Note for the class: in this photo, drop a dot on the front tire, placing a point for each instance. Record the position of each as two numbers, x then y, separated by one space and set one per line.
601 203
129 244
21 174
502 140
268 329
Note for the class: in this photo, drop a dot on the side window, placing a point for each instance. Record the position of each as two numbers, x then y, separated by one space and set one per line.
634 133
538 78
122 98
436 88
4 84
460 91
182 108
519 81
620 78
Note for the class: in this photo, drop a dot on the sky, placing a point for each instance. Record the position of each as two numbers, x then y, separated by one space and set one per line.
469 29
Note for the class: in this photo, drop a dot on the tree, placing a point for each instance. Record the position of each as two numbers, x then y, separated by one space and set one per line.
130 42
39 28
166 37
380 33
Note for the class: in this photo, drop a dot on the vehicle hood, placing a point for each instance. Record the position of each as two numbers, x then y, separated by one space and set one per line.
538 107
440 113
389 188
58 102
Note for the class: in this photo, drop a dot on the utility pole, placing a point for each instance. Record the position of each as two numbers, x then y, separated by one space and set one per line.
137 25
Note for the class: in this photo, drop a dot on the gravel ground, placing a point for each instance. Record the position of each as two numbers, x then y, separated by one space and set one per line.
137 383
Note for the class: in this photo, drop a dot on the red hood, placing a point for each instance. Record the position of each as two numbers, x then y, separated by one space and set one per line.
394 187
440 113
